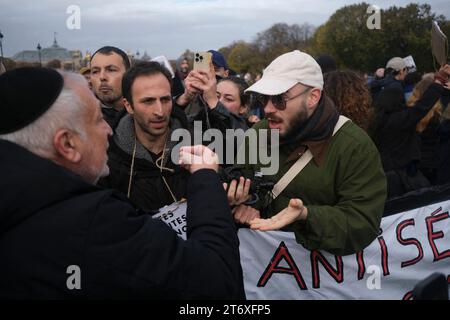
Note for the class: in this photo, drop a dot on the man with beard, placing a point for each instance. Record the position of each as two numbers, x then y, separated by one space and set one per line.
108 65
181 72
140 151
336 201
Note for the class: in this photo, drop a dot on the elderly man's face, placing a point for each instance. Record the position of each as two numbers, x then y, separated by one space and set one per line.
94 145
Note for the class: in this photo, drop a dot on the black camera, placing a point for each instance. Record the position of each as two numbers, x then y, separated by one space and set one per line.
259 186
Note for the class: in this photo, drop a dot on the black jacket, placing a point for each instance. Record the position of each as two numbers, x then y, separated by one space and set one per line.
51 219
219 118
376 86
397 139
112 115
177 86
148 190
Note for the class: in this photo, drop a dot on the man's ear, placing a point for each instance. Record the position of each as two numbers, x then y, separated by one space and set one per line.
66 143
314 97
128 106
226 73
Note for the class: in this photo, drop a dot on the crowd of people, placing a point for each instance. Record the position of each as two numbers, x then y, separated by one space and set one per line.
91 154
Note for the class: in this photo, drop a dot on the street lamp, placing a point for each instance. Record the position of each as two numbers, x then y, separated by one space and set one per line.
39 52
1 46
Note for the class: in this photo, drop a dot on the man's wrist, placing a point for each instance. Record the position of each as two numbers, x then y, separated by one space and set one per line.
303 214
184 99
211 101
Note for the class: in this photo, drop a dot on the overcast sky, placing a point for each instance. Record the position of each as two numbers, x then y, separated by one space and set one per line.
165 27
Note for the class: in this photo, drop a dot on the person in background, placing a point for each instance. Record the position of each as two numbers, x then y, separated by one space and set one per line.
181 72
351 96
190 100
428 130
394 76
411 79
393 130
231 93
108 65
86 73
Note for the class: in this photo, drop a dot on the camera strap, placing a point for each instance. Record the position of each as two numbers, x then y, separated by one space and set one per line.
301 163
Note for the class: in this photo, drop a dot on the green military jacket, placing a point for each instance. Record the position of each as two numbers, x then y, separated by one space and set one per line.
345 195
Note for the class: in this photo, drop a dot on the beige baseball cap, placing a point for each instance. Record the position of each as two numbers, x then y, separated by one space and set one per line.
286 71
396 63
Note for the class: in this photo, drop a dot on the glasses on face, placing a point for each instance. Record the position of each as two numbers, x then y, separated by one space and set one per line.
278 101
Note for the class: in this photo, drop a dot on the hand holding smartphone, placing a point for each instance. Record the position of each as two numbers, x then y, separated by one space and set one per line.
202 60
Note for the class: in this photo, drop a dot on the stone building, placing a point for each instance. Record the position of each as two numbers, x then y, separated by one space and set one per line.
70 59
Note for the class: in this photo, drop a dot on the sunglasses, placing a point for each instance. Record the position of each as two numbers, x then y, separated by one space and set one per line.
279 101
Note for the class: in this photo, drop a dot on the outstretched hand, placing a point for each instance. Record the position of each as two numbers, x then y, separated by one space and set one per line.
294 212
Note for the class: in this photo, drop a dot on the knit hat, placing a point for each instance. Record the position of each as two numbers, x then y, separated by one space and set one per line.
286 71
25 95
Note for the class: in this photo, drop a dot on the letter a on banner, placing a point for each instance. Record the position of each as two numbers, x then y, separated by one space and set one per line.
273 267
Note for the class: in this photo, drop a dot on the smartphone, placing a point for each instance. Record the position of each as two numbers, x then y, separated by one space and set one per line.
439 44
202 60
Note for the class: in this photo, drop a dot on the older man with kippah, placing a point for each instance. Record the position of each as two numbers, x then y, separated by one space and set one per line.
61 237
330 188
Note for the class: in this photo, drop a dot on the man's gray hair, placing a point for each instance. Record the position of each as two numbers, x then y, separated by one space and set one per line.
65 113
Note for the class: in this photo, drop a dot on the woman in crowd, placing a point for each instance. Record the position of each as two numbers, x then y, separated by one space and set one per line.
231 92
393 130
427 128
350 94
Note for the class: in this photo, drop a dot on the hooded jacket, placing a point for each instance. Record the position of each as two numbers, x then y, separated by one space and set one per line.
178 79
66 224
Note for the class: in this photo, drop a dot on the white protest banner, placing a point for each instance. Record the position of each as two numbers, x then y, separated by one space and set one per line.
412 245
174 216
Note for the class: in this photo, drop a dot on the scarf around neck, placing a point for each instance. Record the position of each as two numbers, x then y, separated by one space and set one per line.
315 133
